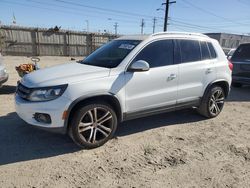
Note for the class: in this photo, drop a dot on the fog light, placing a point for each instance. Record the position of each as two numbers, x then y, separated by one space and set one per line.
42 118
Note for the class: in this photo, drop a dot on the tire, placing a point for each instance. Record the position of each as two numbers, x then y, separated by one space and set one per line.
212 102
235 84
89 131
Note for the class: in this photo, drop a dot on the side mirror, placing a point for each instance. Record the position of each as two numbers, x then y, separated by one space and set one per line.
138 66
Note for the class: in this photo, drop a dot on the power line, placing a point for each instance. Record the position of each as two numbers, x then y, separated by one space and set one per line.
208 12
198 26
179 28
216 24
102 9
130 21
81 10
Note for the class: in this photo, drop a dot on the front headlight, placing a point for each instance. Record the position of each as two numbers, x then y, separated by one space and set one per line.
47 93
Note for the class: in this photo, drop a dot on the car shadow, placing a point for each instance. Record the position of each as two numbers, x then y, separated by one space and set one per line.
22 142
241 94
156 121
7 89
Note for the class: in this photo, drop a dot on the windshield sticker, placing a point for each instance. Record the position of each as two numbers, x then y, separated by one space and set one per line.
127 46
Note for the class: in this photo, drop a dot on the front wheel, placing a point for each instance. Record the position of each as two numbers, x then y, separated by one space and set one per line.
93 125
212 102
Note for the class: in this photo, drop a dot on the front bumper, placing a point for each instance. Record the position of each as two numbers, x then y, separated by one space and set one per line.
55 108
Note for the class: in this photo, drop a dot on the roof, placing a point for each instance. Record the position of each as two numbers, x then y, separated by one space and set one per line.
169 34
180 34
133 37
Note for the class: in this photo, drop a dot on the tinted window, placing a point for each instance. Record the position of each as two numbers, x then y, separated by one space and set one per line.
111 54
204 50
212 51
190 51
157 54
242 52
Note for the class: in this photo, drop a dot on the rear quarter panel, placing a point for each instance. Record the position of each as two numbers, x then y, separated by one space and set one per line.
222 68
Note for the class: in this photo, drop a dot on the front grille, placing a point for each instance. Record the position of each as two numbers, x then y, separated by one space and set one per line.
23 91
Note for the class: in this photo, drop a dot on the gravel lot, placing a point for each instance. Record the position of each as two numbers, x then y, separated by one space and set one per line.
179 149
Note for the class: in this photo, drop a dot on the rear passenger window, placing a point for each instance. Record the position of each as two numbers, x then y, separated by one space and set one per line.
204 51
157 54
212 51
190 51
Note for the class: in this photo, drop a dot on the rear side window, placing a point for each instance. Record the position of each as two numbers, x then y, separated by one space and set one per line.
190 51
242 52
204 51
157 54
212 51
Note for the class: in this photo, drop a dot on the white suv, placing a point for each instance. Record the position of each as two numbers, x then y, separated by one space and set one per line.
130 77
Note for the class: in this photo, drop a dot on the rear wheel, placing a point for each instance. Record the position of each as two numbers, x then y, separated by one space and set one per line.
213 102
93 125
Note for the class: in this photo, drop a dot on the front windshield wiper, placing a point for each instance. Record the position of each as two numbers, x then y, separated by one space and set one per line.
93 64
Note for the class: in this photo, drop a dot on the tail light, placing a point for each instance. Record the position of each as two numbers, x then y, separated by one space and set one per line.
230 64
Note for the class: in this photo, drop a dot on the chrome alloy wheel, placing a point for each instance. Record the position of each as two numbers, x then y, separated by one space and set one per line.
95 125
216 102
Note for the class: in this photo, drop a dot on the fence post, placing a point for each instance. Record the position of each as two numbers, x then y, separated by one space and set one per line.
37 43
89 39
68 45
2 42
65 50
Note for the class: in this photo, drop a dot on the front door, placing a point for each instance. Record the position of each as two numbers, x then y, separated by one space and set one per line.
157 87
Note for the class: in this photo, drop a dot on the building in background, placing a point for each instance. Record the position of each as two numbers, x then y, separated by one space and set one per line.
229 41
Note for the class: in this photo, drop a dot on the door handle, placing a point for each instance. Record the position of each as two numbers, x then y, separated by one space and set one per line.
171 77
209 70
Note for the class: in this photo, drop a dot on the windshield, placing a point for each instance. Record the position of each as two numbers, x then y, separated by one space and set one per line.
111 54
242 52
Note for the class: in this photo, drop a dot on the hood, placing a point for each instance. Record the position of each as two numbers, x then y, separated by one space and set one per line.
63 74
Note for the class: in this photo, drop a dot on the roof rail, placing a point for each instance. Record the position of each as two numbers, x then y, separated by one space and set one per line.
180 33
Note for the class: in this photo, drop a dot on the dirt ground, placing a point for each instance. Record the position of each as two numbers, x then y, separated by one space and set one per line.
179 149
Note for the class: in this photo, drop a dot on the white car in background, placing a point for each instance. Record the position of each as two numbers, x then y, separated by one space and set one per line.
230 53
3 72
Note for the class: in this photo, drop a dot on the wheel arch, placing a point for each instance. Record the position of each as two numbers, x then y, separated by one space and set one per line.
107 97
222 83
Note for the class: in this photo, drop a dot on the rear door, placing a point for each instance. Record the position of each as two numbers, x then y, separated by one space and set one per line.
241 61
196 70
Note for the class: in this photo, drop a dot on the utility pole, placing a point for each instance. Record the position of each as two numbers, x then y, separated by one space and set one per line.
166 13
154 22
142 25
116 26
87 22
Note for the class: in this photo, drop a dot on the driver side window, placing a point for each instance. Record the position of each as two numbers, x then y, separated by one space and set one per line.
157 54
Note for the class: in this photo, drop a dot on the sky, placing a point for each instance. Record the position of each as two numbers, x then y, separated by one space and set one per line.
227 16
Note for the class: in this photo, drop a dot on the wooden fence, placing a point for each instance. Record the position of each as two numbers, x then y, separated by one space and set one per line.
23 41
